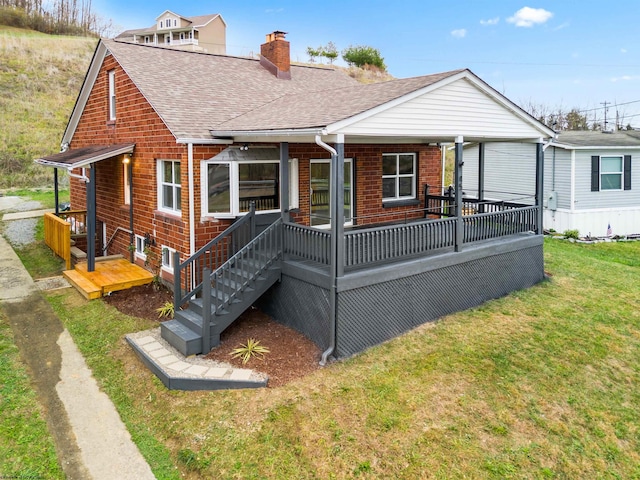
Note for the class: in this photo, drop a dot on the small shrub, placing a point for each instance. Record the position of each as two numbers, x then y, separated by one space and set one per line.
251 349
575 234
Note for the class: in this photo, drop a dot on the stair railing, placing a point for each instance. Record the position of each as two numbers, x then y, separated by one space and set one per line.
188 275
238 272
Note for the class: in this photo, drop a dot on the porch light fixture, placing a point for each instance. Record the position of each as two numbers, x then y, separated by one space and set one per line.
244 147
126 159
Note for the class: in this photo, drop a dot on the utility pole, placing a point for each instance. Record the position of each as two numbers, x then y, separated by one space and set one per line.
605 114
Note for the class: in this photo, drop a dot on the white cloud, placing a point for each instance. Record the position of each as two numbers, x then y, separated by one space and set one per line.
491 21
561 26
528 17
459 33
625 78
623 50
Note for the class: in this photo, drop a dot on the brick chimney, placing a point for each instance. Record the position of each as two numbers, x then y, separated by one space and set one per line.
275 55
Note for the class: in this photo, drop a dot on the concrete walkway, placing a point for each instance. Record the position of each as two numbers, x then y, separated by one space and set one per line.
91 440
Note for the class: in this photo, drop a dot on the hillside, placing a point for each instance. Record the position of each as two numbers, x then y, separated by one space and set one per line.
40 76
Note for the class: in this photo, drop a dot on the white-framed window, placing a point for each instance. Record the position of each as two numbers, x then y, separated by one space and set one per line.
167 258
398 176
175 22
112 94
167 39
169 189
140 247
126 183
611 173
182 36
230 186
147 39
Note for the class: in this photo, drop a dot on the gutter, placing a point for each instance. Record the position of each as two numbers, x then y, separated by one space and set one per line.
333 288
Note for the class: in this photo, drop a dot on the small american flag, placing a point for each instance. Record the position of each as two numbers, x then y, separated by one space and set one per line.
609 231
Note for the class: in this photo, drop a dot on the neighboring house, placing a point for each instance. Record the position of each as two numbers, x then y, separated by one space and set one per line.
298 188
591 180
204 33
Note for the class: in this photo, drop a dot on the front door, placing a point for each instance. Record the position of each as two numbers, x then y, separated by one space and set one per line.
320 192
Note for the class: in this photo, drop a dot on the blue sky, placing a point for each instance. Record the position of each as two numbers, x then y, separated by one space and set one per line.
556 53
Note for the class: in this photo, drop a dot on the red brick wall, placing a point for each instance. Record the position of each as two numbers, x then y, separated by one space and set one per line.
136 122
368 186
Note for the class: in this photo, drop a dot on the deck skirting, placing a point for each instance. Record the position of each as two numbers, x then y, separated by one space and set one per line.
378 304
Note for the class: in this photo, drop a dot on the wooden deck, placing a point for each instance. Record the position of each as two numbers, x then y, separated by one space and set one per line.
109 276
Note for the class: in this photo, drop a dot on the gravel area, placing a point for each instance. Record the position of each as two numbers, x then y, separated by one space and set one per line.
19 232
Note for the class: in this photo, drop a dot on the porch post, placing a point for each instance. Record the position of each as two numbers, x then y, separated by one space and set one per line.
458 192
284 180
481 178
55 189
539 186
91 219
337 216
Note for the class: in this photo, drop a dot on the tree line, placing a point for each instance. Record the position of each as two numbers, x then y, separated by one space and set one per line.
560 119
58 17
359 55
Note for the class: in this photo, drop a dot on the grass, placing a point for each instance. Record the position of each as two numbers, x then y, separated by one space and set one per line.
26 448
540 384
37 257
40 77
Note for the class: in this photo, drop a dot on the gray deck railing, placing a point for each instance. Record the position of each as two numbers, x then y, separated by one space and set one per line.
387 243
484 226
188 275
307 243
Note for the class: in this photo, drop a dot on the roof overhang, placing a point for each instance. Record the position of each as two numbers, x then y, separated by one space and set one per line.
81 157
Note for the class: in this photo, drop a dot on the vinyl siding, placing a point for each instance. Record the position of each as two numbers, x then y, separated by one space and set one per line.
459 108
510 171
586 199
562 184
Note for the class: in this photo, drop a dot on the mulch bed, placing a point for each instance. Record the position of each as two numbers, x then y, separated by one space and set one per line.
291 354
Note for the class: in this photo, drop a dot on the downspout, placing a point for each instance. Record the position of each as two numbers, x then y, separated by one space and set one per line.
192 212
82 177
332 295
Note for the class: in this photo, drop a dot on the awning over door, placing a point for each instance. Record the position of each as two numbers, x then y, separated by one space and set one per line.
81 157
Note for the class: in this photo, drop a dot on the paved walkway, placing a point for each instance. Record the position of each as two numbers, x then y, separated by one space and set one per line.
91 440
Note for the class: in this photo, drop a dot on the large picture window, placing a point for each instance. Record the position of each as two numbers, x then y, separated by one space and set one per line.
169 189
398 176
231 186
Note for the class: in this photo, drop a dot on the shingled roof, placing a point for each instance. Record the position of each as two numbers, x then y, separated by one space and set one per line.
589 138
216 92
212 89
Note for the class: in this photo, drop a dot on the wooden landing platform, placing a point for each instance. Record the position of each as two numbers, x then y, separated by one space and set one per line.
109 276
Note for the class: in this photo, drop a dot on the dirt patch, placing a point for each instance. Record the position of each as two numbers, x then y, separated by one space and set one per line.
291 354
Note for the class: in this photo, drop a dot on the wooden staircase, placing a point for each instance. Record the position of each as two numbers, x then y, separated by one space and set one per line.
224 294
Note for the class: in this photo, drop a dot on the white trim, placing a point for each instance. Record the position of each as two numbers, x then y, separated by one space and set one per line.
294 184
112 94
168 267
573 181
126 183
621 173
160 182
139 253
192 207
397 176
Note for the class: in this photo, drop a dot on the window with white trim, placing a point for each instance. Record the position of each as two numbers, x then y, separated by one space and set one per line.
140 247
169 189
611 173
398 176
167 39
167 258
112 94
232 185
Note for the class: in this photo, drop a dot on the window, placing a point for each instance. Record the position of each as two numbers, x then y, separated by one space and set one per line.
610 172
398 176
182 36
175 22
126 184
167 258
169 189
140 247
232 186
167 39
147 39
112 94
160 23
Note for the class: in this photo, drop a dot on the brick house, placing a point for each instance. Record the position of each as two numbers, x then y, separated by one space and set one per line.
297 188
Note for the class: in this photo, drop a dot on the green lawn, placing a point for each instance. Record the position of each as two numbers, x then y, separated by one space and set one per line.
26 448
540 384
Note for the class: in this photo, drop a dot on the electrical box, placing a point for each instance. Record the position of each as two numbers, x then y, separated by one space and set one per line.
552 201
